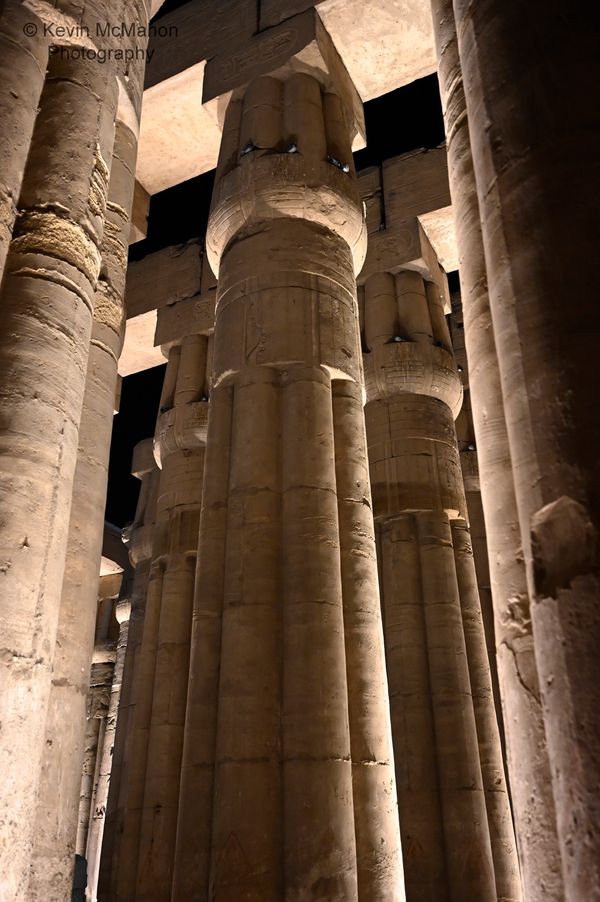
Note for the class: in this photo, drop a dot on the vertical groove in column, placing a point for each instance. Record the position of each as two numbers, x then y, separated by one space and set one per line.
319 841
506 869
469 854
413 727
194 825
379 856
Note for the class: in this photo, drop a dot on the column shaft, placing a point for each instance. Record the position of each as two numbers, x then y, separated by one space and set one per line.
319 805
413 729
128 852
277 638
98 814
194 824
179 444
53 855
248 773
414 392
490 751
92 741
527 756
138 537
46 318
470 870
534 164
23 61
371 745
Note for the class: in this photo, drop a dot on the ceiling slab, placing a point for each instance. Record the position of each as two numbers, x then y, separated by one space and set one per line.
384 45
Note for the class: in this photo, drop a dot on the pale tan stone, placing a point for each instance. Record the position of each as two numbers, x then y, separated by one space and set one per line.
414 392
274 526
551 420
383 45
179 449
104 771
527 756
138 537
46 313
53 855
24 58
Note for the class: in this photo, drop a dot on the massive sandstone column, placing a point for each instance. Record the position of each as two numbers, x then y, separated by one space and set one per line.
180 447
454 811
54 850
528 766
287 787
46 308
138 537
23 61
530 124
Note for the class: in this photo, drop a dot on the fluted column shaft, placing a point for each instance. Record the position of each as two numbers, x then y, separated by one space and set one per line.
454 812
46 309
97 710
53 856
534 166
138 537
287 786
179 445
527 756
100 680
98 812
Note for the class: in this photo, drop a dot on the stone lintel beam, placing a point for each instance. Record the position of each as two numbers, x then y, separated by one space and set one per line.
192 33
109 585
114 554
165 277
139 214
409 217
403 247
300 44
191 316
179 139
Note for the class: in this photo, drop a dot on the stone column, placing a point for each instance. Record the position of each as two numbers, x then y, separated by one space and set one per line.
46 308
530 123
527 757
287 723
98 702
180 446
53 855
469 463
454 811
138 537
23 61
98 813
